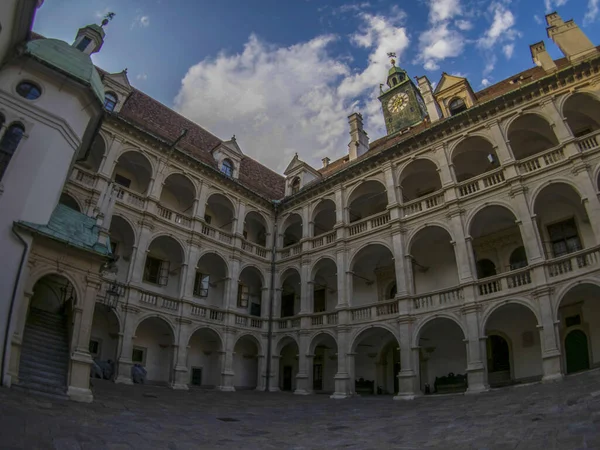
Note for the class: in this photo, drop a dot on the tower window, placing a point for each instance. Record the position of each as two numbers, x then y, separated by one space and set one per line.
8 145
28 90
83 44
227 167
110 101
295 185
457 106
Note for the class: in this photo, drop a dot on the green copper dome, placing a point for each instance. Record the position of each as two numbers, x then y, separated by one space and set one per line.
67 59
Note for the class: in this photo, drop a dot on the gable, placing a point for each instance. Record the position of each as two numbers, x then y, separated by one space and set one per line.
119 78
447 82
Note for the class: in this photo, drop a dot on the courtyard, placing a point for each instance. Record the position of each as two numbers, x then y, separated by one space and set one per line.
563 415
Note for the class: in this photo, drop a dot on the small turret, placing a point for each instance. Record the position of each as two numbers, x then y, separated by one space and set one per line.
90 38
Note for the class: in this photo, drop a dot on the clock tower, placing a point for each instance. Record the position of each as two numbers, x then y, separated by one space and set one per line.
402 103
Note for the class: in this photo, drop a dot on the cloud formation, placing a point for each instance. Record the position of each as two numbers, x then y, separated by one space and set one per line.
141 21
592 12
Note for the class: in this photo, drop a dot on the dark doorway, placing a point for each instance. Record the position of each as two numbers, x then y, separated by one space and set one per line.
287 305
498 360
287 378
396 381
318 377
576 347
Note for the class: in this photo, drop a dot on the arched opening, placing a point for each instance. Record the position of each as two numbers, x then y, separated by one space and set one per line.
227 167
255 229
442 357
48 327
250 289
104 342
372 271
292 230
562 220
133 171
178 194
529 135
579 327
472 157
110 101
418 179
69 201
210 280
220 213
376 362
433 260
495 238
204 358
485 268
514 353
8 145
122 240
324 217
162 268
245 363
324 363
288 364
324 286
153 351
456 106
290 293
94 158
295 186
368 199
582 114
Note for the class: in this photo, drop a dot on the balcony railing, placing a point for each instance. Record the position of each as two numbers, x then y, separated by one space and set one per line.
175 217
248 321
324 318
504 282
368 224
542 160
573 263
218 235
323 239
254 248
292 250
159 301
288 323
374 311
84 177
438 299
481 183
207 313
589 142
424 203
131 198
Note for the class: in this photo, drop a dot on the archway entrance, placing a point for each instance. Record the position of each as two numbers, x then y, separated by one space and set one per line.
498 354
153 350
245 363
204 358
576 349
324 351
288 364
104 341
44 359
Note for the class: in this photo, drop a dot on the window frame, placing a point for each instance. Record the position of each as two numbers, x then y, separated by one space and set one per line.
161 278
457 110
7 155
565 238
243 297
295 185
98 343
200 280
113 101
32 86
87 41
121 182
227 167
143 350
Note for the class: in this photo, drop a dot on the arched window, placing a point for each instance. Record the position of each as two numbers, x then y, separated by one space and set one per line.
394 81
295 185
28 90
110 101
227 167
485 268
456 106
518 258
8 145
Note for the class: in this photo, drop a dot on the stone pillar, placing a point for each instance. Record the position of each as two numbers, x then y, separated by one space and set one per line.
343 299
192 262
274 382
136 272
446 175
124 365
109 161
390 187
529 231
202 199
476 372
500 144
81 360
558 124
305 287
343 381
231 290
407 378
402 280
410 276
158 181
227 372
305 221
302 387
262 375
240 219
265 298
548 336
589 196
180 371
465 271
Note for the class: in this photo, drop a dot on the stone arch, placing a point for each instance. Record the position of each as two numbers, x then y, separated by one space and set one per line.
319 259
529 134
350 192
555 180
199 327
130 223
354 337
380 242
156 346
418 178
179 192
473 213
579 109
256 227
371 268
71 201
283 341
43 271
367 198
487 313
316 205
98 149
251 265
414 233
253 337
215 252
292 228
137 167
426 320
323 216
472 156
204 361
156 315
313 342
175 238
565 289
220 210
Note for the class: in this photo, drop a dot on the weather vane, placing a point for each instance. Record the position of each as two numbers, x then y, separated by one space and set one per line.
392 55
108 18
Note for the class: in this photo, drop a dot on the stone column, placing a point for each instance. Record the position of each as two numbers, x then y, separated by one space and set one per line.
240 219
589 196
403 283
274 383
109 161
407 378
227 372
344 383
180 371
192 262
343 299
476 373
231 291
465 271
124 365
202 198
559 125
410 276
81 360
302 387
261 376
529 231
390 187
500 143
156 187
549 339
305 287
136 272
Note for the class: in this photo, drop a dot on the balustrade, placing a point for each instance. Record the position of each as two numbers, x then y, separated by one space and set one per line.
84 177
131 198
324 318
324 239
207 313
213 233
541 161
574 262
424 203
481 183
159 301
589 142
500 283
438 299
368 224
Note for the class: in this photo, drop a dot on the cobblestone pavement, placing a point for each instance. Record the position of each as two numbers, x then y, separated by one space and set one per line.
564 415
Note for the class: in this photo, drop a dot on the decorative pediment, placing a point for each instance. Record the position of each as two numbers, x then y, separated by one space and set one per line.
447 81
454 94
228 156
230 147
119 78
298 174
117 84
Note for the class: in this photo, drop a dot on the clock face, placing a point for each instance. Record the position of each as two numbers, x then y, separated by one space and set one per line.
398 102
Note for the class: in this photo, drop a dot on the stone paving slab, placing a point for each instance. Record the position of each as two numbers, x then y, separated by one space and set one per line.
562 415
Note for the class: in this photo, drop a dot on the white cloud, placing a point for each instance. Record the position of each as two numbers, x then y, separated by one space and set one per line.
141 76
441 10
551 5
592 12
538 19
463 25
485 82
490 65
508 50
141 21
501 28
438 43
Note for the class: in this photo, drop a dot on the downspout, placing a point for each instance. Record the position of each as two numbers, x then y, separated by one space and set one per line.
271 300
12 301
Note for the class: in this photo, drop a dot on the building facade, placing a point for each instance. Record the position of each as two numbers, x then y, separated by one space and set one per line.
459 252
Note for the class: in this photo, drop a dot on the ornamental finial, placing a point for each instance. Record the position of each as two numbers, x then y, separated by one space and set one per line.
392 57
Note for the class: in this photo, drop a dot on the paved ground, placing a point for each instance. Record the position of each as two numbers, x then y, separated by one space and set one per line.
563 415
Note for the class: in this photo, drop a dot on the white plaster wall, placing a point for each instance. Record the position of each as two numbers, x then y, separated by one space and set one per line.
205 355
362 293
106 332
245 365
158 359
442 270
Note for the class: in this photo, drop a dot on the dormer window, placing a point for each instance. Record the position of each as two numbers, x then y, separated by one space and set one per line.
83 43
295 185
227 167
110 101
456 106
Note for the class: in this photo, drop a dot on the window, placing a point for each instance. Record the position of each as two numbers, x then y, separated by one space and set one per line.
518 258
319 300
28 90
138 355
485 268
83 44
110 101
243 295
573 321
156 271
295 185
95 347
201 285
207 219
564 238
287 305
255 309
227 167
8 145
457 106
123 181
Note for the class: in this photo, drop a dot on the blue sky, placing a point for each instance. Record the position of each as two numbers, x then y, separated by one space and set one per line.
284 75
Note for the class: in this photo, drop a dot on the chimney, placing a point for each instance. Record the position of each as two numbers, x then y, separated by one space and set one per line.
569 38
427 93
359 141
325 161
542 58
